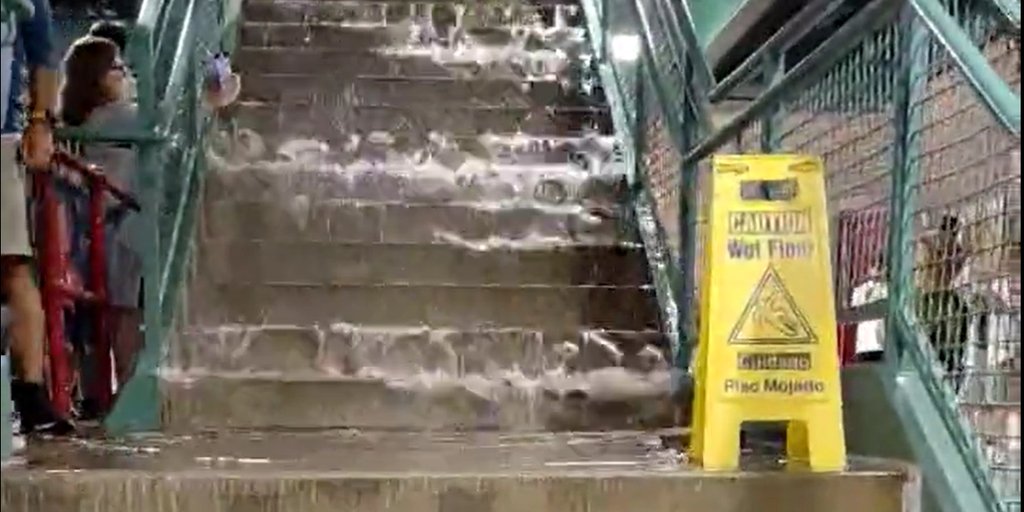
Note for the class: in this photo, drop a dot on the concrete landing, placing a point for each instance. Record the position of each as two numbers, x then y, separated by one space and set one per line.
356 471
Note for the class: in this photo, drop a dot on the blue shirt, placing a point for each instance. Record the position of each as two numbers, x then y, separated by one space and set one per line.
31 46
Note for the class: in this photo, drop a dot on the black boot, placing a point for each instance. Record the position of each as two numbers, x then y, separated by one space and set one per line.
37 415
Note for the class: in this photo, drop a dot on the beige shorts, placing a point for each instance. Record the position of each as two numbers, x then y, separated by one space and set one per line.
14 238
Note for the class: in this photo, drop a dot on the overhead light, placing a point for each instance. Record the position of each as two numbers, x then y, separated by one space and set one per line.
625 47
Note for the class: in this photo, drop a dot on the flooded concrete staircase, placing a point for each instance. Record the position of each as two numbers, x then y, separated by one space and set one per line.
416 280
453 250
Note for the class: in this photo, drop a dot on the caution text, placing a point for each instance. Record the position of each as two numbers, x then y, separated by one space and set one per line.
774 248
770 223
758 361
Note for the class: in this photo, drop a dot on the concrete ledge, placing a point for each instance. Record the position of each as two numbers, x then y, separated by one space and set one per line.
364 471
226 491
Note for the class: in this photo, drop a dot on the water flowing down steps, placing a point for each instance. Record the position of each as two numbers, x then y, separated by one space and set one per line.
418 285
411 230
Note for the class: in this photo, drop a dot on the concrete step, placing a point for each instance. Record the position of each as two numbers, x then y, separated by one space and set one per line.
330 263
343 115
321 34
395 351
215 401
415 472
346 64
491 14
530 184
412 92
299 218
297 90
367 36
470 307
338 62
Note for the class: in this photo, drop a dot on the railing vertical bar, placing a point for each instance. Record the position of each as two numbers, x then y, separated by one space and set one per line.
101 391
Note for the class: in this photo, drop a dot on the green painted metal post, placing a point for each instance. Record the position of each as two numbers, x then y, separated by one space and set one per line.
137 406
775 67
639 109
911 78
688 238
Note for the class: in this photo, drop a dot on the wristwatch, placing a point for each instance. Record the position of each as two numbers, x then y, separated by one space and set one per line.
41 116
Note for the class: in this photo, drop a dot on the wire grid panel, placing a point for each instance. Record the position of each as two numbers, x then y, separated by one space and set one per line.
661 156
847 118
663 164
668 61
967 262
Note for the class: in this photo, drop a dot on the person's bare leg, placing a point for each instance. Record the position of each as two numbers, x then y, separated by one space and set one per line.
27 335
27 322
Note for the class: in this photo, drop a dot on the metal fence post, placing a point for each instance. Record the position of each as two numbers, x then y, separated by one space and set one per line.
775 64
688 231
911 78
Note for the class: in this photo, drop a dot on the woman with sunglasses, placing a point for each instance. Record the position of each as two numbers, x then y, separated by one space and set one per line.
96 95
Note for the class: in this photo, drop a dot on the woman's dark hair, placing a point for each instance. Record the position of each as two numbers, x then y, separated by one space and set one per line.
113 30
85 66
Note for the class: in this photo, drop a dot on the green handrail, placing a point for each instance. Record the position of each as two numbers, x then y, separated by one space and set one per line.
170 165
805 72
997 95
790 33
1009 10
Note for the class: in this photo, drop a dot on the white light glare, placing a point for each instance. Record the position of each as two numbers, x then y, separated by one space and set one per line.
626 47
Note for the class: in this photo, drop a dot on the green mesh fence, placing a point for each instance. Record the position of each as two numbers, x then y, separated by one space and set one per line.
942 241
965 227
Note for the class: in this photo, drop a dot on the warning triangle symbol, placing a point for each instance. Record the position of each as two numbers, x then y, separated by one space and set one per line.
771 316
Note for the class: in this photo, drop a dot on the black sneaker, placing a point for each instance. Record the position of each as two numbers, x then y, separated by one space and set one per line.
37 415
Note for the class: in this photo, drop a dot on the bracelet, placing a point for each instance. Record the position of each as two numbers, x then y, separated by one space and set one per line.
44 117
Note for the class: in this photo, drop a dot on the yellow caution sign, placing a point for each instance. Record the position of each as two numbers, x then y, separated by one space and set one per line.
767 349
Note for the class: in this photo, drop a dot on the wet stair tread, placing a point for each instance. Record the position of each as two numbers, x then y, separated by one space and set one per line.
509 183
323 121
313 262
344 62
349 349
434 305
416 402
367 221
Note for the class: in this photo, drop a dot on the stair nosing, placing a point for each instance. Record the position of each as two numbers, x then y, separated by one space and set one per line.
294 377
446 286
400 169
514 245
454 79
401 244
536 3
246 327
555 109
568 208
366 26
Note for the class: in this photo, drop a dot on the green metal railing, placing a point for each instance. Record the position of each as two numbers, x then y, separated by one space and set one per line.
914 106
169 44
